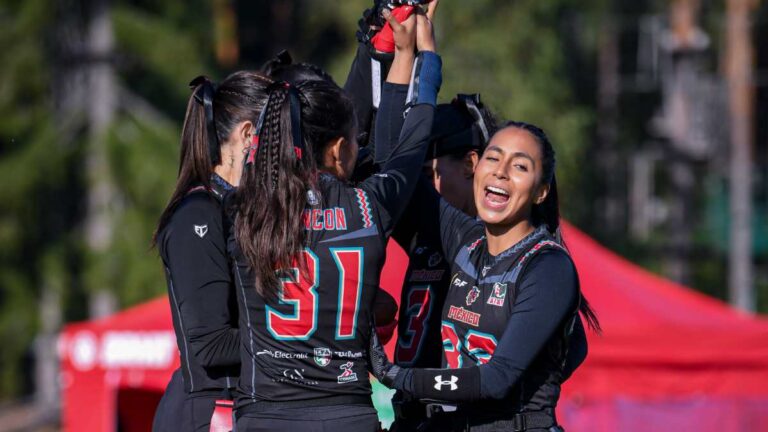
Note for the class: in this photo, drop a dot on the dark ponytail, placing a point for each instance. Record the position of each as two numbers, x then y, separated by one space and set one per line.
548 212
240 97
273 190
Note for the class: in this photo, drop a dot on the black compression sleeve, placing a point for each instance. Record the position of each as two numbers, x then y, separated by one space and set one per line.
389 120
199 270
359 87
547 295
577 349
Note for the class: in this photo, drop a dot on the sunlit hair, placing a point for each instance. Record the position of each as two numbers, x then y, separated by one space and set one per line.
240 97
548 212
273 190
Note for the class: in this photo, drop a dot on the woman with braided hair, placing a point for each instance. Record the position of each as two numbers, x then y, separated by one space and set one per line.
308 249
218 127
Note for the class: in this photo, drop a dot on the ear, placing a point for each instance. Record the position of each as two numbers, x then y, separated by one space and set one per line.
245 131
541 194
332 154
469 163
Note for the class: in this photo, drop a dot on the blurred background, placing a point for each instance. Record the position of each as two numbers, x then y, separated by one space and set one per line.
658 111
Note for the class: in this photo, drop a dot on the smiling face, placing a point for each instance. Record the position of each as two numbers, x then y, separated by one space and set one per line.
508 178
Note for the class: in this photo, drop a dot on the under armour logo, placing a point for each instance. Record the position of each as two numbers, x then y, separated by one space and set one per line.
201 230
439 383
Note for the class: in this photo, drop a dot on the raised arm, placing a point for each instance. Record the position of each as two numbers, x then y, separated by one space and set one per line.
393 186
196 258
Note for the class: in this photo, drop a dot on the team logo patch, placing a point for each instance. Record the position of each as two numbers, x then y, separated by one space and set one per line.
201 230
463 315
322 356
472 295
439 383
498 294
312 198
347 375
435 259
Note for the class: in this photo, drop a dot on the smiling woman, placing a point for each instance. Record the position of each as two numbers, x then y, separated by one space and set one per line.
510 327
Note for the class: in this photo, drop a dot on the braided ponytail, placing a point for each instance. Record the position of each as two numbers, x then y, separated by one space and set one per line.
299 120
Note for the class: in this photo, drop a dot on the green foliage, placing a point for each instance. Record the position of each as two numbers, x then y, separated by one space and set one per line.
525 57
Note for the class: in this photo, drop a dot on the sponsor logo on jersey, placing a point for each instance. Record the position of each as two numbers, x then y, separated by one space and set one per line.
426 275
322 356
435 259
463 315
458 282
453 382
498 294
347 375
283 354
332 219
201 230
472 295
349 354
295 375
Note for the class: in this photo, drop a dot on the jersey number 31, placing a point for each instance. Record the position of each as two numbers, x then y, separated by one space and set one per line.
300 292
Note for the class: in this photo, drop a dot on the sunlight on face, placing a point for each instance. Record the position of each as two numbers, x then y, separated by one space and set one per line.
507 178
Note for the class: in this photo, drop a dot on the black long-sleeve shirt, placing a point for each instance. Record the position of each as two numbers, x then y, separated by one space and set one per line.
310 343
193 250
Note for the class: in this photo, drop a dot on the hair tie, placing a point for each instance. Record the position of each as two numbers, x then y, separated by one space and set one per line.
206 90
298 142
254 147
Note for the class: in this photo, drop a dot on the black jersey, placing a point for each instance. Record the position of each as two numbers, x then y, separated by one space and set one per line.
193 249
419 342
506 323
311 342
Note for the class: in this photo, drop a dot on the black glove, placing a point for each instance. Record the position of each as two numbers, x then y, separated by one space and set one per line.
384 370
370 24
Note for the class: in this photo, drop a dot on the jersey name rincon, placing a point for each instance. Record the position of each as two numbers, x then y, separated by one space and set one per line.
331 219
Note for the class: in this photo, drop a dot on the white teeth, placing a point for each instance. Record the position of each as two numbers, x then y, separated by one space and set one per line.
497 190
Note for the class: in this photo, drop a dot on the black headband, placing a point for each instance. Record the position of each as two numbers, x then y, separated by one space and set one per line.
206 90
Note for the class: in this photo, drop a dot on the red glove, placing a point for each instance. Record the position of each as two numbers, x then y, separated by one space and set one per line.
384 41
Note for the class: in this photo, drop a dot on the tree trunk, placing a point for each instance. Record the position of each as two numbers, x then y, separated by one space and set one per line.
99 222
739 66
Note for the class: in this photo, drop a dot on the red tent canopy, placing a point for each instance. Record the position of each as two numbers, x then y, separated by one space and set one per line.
669 359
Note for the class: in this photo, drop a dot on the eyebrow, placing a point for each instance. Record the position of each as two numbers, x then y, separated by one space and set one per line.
514 155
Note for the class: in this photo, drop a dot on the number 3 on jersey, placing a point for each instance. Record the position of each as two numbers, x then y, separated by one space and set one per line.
300 291
418 309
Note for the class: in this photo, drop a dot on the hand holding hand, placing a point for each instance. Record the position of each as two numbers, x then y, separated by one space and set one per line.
425 32
404 32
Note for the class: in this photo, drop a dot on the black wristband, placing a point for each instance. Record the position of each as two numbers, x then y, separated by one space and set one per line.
453 385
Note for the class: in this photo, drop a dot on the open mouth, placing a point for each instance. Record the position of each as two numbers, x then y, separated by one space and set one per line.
496 197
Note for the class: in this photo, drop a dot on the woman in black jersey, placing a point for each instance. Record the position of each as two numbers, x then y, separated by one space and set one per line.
308 249
513 298
190 236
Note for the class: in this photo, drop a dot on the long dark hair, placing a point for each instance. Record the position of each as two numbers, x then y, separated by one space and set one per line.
548 212
273 190
240 97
